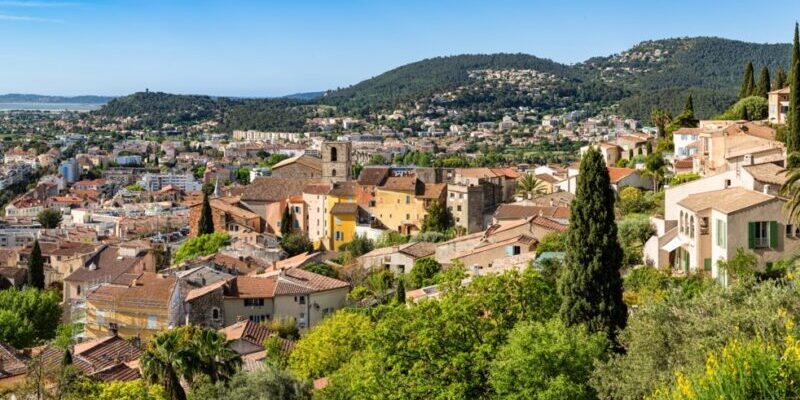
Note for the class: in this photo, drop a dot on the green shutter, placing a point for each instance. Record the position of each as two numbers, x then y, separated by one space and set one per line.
773 234
707 264
751 235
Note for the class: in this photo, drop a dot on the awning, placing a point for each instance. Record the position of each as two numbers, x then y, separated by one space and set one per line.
672 244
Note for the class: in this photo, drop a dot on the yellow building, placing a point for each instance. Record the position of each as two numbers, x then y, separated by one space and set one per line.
146 305
341 212
401 202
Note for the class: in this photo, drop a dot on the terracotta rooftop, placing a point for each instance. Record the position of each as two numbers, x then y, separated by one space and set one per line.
617 173
400 184
12 362
270 189
373 176
343 189
432 190
253 333
344 208
147 289
728 200
104 266
770 173
304 160
316 188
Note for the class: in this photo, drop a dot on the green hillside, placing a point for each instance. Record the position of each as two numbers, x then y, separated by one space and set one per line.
652 74
425 78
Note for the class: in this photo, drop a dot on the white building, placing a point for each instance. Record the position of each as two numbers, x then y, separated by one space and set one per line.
185 182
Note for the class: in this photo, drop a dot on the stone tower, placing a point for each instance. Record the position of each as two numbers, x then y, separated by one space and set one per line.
336 162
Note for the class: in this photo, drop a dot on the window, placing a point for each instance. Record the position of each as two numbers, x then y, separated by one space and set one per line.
339 235
334 155
337 220
296 209
789 230
761 234
259 318
100 316
297 224
333 172
408 199
452 195
680 223
458 208
215 313
152 322
408 217
372 203
722 233
78 289
301 299
254 302
691 227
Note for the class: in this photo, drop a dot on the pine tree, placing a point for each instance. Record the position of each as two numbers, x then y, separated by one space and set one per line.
748 82
763 82
206 224
591 284
688 109
780 78
36 267
793 138
401 291
286 222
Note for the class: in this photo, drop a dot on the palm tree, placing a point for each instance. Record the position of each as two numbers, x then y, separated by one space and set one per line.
654 167
660 118
214 355
165 360
528 185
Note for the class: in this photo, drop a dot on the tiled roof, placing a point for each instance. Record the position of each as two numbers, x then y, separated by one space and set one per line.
617 173
309 281
726 200
254 333
317 188
524 239
400 183
476 172
432 190
108 359
250 287
151 289
548 178
12 363
270 188
202 291
549 224
343 189
105 265
305 160
768 173
419 249
521 211
510 173
373 176
344 208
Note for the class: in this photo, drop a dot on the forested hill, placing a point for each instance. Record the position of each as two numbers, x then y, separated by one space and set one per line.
659 72
422 79
651 74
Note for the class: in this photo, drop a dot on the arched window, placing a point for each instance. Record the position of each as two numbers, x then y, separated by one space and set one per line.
691 227
333 171
215 313
680 223
333 154
78 289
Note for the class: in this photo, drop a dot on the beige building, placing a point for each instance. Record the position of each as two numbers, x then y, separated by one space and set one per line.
397 259
778 102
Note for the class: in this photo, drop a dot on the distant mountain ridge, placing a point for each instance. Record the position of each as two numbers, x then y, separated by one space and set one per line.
38 98
656 73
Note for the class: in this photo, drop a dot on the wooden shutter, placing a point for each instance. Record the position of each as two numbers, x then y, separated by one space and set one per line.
773 234
751 235
707 264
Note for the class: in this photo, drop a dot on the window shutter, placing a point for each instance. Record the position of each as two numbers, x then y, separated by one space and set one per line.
509 250
751 235
707 264
773 234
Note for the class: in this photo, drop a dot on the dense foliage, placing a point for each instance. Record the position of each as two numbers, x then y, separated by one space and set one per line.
200 246
28 316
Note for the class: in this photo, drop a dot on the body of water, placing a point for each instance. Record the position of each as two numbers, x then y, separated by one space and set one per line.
48 106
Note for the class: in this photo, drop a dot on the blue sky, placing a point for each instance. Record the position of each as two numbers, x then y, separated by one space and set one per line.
269 48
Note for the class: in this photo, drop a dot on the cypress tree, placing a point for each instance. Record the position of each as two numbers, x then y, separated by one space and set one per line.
688 108
763 82
206 224
793 138
67 360
748 82
401 291
780 78
36 267
286 222
591 284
